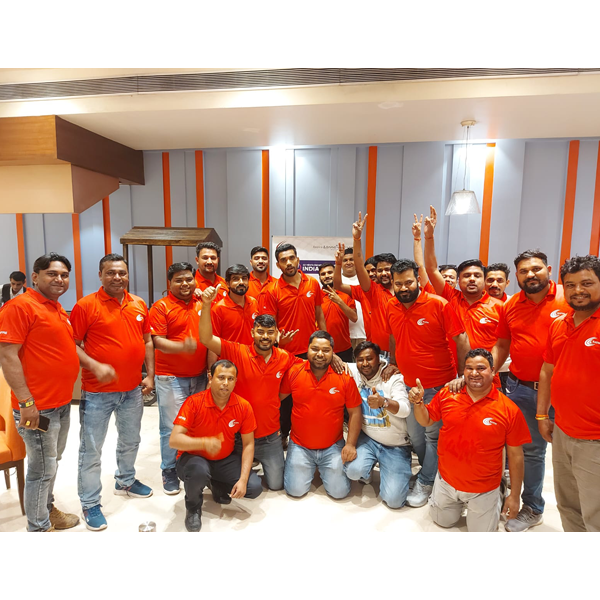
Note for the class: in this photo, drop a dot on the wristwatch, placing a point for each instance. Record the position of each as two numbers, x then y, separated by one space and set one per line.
386 403
26 403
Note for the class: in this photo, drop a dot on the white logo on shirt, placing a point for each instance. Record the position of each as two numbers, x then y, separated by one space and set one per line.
488 421
309 294
422 322
199 312
556 313
3 332
254 315
484 320
233 423
139 318
279 374
182 418
589 342
334 391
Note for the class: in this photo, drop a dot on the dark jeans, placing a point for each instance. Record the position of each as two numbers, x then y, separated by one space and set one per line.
285 411
197 472
269 452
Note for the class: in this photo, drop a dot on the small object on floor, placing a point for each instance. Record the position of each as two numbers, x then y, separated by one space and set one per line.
506 478
524 520
94 519
193 520
60 520
419 495
147 526
170 482
136 490
220 495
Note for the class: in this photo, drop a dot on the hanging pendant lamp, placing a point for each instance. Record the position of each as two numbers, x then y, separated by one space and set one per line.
464 202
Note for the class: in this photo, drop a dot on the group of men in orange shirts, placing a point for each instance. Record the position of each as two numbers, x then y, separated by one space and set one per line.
241 363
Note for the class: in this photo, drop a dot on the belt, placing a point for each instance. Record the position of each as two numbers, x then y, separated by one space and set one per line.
530 384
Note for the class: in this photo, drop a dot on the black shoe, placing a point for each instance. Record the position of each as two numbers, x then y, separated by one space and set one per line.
219 493
193 519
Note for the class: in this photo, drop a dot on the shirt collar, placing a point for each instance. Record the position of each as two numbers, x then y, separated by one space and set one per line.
571 314
210 402
551 293
201 279
253 277
307 368
106 298
493 395
283 282
182 303
39 297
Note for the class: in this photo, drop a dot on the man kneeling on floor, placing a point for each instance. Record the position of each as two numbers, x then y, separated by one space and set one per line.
317 435
383 438
478 422
204 433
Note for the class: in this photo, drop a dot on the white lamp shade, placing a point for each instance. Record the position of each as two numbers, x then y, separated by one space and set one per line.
463 202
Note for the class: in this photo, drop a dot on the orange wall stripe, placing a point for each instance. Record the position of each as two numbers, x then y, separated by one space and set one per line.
567 233
486 211
199 156
77 256
371 192
167 202
265 198
106 222
21 244
595 238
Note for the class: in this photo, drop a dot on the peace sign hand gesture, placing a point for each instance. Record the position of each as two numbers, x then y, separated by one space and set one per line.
358 226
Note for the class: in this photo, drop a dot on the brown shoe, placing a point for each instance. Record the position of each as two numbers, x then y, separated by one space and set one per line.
60 520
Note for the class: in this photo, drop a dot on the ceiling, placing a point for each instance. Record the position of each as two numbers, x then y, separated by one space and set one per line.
559 106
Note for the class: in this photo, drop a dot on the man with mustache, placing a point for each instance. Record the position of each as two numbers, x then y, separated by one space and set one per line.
523 331
496 281
207 259
478 422
568 382
259 278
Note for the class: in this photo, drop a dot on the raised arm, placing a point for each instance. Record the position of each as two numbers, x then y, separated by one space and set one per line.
430 259
462 347
359 258
350 313
212 342
337 273
418 250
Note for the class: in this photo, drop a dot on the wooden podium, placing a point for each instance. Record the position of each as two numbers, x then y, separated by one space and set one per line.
165 236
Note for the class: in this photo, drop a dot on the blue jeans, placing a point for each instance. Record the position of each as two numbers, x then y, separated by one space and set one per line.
535 453
424 440
44 450
394 467
95 410
171 393
269 452
300 466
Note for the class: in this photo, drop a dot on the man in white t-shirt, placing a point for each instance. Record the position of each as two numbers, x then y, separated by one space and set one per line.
383 438
357 330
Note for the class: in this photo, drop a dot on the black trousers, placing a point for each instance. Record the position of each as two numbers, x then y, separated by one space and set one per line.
197 472
285 411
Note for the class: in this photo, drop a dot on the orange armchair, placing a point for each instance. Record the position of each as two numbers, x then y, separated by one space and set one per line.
12 447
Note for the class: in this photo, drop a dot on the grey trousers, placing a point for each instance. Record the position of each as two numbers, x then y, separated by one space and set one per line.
576 466
446 505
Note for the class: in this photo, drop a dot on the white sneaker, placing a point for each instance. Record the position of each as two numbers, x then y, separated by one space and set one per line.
419 495
524 520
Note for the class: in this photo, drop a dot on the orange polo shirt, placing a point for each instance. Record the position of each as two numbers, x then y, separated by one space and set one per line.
575 354
203 418
526 325
451 343
473 436
293 308
178 320
338 324
202 283
259 382
112 333
359 296
47 354
378 298
318 410
233 323
255 287
421 333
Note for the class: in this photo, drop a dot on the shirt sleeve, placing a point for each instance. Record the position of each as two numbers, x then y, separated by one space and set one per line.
430 289
549 354
158 319
231 351
286 382
449 293
357 293
248 425
79 321
400 395
349 302
353 397
146 322
518 432
434 407
502 331
452 322
318 293
15 323
217 322
186 415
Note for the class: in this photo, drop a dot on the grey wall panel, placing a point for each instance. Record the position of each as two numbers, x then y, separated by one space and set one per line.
148 210
120 224
333 190
360 190
422 185
244 204
542 205
443 226
58 230
312 192
388 199
35 240
506 205
290 192
91 233
277 158
584 198
179 211
215 192
190 198
346 190
9 249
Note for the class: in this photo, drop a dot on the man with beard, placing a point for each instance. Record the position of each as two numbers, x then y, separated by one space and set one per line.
568 382
317 437
496 280
478 422
259 278
339 310
207 259
357 329
233 316
523 331
419 325
477 309
261 367
180 360
384 438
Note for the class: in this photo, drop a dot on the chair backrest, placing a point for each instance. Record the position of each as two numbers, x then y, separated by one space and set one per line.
7 423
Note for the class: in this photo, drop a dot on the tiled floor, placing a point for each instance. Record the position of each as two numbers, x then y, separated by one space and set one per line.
271 513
